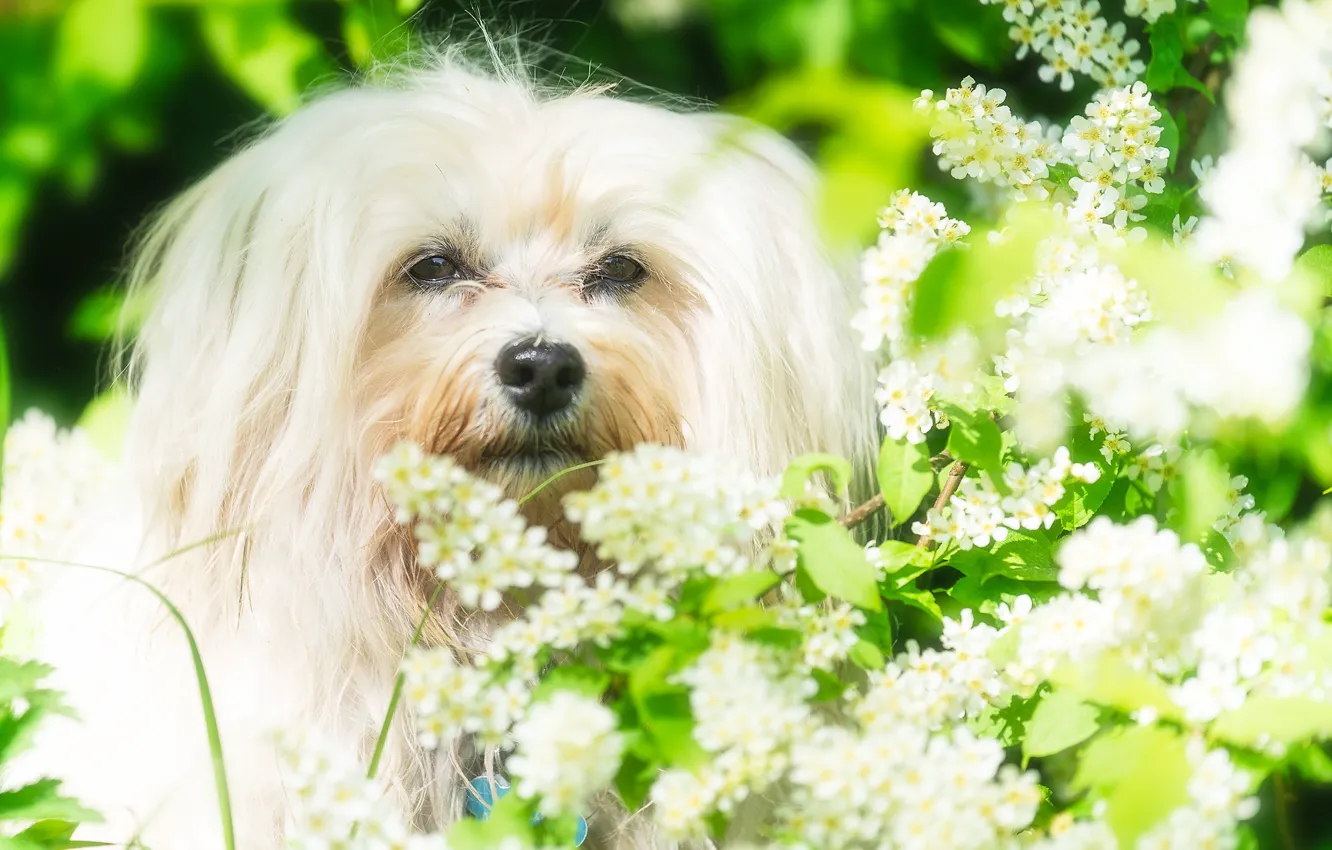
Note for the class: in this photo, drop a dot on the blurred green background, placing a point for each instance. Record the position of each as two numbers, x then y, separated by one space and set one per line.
110 107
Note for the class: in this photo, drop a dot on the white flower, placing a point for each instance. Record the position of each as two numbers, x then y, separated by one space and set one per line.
466 531
673 511
568 749
1213 690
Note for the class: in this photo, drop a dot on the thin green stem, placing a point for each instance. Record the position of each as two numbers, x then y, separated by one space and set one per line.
398 685
201 678
563 472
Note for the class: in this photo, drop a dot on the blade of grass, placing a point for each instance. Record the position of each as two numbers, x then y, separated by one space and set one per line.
552 479
398 685
201 680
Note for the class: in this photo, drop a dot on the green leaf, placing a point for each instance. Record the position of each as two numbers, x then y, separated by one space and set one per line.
509 824
1022 556
1312 763
736 590
960 287
1007 724
974 437
1170 141
1061 720
832 561
1141 772
1199 495
1317 263
42 800
1111 682
1228 17
102 42
267 54
898 557
805 467
1287 720
1167 58
576 678
905 477
1081 501
54 835
916 597
867 656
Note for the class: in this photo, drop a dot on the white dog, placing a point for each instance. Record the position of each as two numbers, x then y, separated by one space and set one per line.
521 276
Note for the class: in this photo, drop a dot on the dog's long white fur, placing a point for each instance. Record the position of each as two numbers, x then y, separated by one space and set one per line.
283 350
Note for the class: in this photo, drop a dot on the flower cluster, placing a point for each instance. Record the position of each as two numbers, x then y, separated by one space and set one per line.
466 531
747 710
976 136
50 477
915 229
1265 188
335 805
1072 37
674 512
1150 10
448 699
568 750
979 513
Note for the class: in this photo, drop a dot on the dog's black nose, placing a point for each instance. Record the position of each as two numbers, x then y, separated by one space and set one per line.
541 377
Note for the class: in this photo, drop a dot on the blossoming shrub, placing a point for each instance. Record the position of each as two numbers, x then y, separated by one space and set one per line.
1099 617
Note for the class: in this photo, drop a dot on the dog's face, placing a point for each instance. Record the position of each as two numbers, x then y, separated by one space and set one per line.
538 288
522 280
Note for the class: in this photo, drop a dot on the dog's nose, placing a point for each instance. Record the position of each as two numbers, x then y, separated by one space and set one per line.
541 377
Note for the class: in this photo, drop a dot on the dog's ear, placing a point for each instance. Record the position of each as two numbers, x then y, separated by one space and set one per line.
786 308
250 317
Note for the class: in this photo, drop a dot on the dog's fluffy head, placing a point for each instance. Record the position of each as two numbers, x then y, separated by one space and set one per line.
370 267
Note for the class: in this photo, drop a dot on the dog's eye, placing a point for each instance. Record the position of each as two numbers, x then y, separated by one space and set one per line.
619 269
434 269
613 275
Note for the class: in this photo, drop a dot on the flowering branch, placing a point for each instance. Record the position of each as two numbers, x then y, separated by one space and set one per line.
954 479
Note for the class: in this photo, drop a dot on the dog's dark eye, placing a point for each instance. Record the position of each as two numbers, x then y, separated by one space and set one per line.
434 270
615 273
619 269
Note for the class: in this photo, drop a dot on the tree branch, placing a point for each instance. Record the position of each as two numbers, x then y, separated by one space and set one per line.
950 486
862 513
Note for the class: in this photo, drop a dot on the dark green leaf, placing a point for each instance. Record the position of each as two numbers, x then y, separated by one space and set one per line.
1228 17
40 801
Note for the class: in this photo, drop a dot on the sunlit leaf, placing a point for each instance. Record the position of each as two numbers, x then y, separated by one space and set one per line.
1061 720
832 561
905 477
1141 773
102 42
268 55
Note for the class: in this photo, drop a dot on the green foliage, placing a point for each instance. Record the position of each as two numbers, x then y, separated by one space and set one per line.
831 561
905 477
37 815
